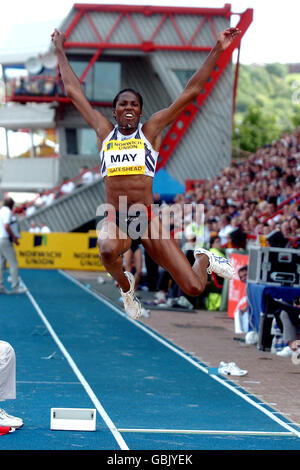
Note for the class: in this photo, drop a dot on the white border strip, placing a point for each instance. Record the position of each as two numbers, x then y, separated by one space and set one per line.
80 377
206 431
189 359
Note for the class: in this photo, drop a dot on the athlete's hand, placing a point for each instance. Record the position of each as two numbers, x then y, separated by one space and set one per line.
58 39
226 37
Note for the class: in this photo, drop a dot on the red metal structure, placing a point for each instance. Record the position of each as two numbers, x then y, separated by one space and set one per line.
126 13
143 44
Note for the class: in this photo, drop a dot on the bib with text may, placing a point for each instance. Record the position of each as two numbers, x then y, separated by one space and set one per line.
126 157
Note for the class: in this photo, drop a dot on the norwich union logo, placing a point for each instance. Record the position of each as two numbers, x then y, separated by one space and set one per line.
92 242
40 240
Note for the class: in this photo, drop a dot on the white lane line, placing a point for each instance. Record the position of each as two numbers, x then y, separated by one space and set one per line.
183 355
80 377
46 382
205 431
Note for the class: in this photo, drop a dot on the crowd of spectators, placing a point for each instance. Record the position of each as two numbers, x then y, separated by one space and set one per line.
39 85
248 193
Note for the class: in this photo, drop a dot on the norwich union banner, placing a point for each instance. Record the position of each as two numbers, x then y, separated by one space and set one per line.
78 251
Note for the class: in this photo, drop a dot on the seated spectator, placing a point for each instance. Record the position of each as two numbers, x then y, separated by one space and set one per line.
67 186
225 229
278 344
34 228
238 239
87 176
46 199
291 329
30 210
241 312
21 88
215 246
44 228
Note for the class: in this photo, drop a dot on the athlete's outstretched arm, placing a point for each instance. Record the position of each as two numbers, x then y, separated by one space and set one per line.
166 116
73 89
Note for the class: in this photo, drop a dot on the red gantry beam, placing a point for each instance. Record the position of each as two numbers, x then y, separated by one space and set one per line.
151 9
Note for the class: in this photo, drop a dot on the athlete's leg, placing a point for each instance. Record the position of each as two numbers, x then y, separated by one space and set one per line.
164 251
111 251
112 244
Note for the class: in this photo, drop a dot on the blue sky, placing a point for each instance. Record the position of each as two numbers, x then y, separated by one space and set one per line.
274 35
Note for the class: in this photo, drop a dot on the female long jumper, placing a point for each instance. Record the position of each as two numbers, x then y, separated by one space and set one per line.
128 154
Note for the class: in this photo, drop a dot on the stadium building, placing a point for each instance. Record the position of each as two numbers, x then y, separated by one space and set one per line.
154 50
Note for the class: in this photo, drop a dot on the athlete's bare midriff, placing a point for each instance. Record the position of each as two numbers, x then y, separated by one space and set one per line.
136 188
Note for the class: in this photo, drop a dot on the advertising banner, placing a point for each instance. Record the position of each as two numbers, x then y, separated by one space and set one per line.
77 251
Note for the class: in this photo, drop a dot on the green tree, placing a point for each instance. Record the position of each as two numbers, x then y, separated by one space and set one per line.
267 104
255 130
280 70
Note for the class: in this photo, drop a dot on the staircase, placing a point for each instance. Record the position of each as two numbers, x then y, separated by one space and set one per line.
69 212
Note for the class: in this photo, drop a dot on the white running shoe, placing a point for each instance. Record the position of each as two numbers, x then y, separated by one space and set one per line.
10 421
217 264
132 305
19 290
230 368
285 352
145 313
185 303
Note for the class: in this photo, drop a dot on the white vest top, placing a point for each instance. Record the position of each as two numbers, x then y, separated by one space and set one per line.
127 154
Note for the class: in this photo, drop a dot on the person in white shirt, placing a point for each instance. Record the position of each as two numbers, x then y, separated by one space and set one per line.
225 229
34 228
87 176
44 228
30 210
67 187
7 251
45 199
